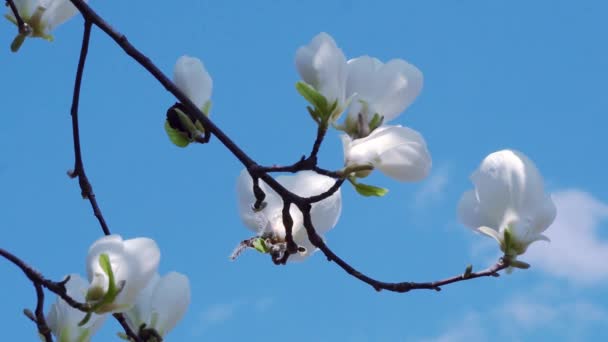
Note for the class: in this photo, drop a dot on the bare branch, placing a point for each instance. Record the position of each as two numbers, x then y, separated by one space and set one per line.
316 240
86 188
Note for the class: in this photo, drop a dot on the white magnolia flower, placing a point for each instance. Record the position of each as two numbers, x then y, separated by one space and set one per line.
191 77
133 262
161 304
43 16
386 89
269 220
322 65
399 152
63 319
508 200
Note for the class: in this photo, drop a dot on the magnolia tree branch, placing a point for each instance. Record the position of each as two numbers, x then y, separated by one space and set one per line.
258 172
123 323
40 321
86 188
318 242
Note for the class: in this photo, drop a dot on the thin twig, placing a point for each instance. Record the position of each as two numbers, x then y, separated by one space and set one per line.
85 185
43 327
321 130
22 26
123 323
401 287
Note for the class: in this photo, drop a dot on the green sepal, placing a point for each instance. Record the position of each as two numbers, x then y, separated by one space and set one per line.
367 190
17 42
519 264
260 246
467 272
313 114
11 19
312 95
86 319
176 137
376 121
123 336
206 108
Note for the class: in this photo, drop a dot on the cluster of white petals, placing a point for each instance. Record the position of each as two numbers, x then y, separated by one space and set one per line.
139 291
191 77
268 222
375 91
508 203
161 304
134 262
63 319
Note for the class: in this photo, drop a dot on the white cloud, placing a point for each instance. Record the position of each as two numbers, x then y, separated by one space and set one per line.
520 318
223 312
467 329
576 252
432 189
528 314
219 313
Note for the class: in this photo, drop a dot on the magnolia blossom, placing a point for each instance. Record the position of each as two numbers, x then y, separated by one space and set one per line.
322 65
399 152
268 222
63 319
377 88
509 203
43 16
161 304
191 77
133 262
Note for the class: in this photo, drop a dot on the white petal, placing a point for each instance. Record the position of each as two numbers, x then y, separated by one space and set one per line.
192 78
170 300
491 232
140 312
323 65
361 72
143 256
133 261
111 244
469 214
57 12
508 178
399 152
399 83
388 89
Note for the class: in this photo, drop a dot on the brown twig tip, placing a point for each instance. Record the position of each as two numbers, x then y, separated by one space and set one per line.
29 314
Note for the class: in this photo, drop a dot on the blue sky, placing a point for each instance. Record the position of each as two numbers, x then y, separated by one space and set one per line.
498 74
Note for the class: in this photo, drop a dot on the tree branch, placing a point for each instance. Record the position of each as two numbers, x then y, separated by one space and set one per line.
43 327
86 188
123 323
401 287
